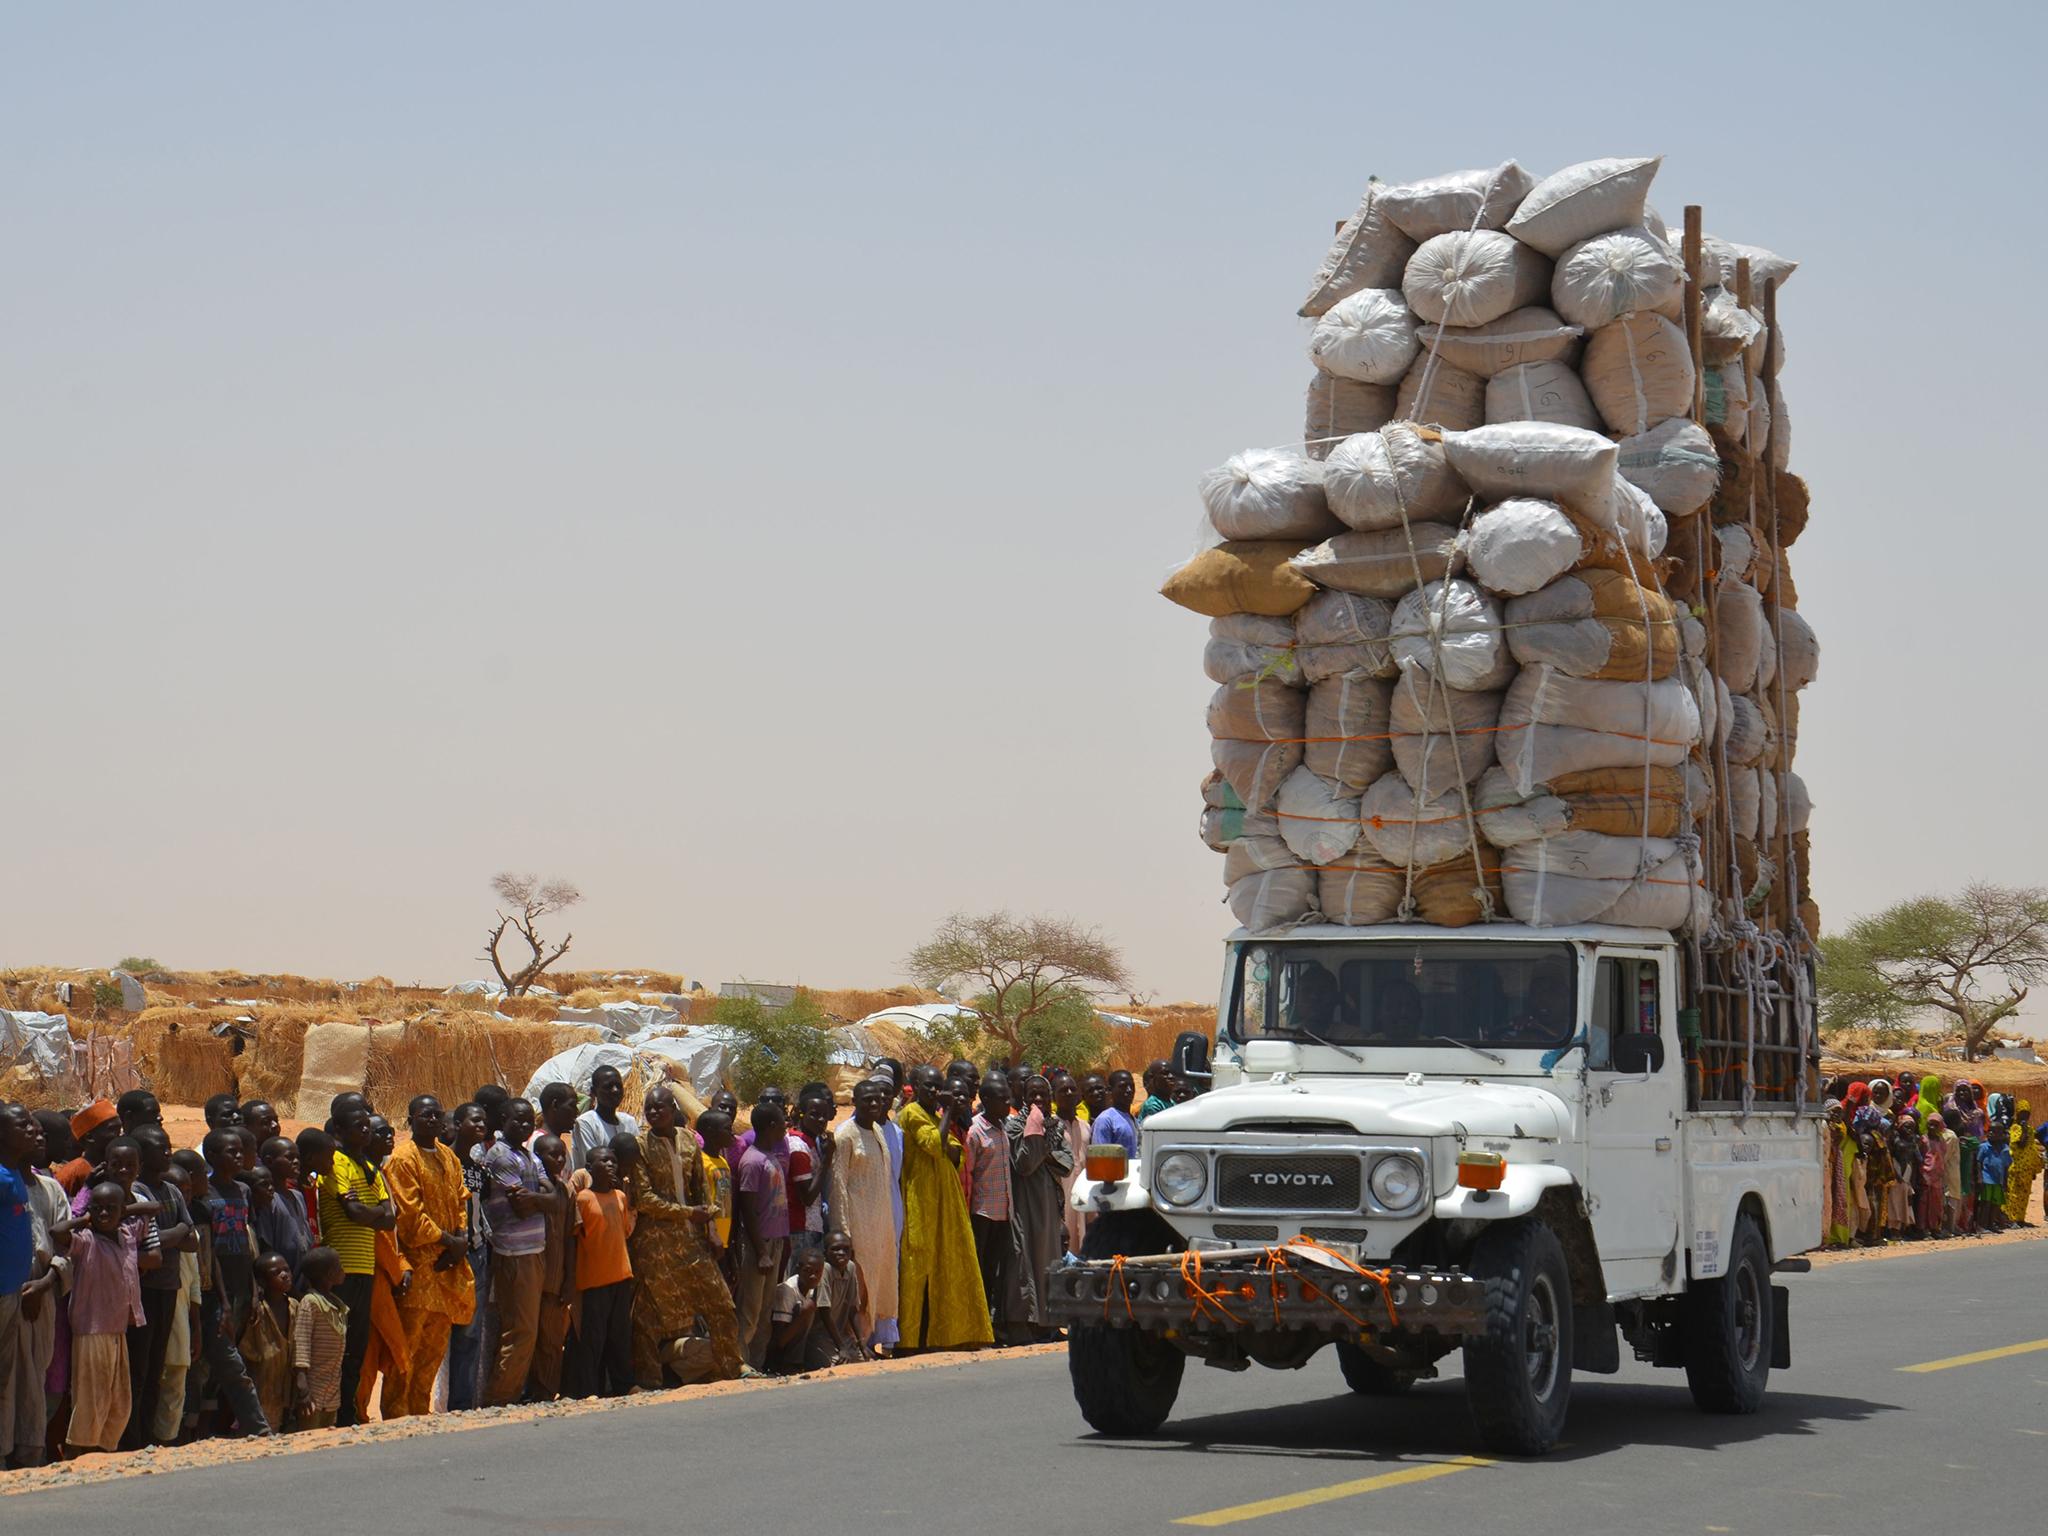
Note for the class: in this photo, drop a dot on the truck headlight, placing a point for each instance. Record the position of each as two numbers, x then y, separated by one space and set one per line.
1397 1182
1180 1178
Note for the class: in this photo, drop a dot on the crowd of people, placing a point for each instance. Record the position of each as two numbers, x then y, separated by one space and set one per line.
504 1251
1908 1160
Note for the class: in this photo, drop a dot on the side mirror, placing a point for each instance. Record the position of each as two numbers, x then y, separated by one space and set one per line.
1638 1054
1191 1056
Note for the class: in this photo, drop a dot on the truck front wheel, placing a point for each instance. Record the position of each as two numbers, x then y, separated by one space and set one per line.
1125 1380
1728 1324
1518 1373
1367 1376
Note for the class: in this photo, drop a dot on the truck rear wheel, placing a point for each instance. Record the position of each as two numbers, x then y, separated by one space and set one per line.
1728 1323
1125 1380
1367 1376
1518 1373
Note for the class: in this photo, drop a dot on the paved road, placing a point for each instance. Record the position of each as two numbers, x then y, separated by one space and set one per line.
1848 1441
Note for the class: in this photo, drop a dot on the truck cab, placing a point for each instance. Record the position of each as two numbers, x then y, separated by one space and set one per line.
1419 1139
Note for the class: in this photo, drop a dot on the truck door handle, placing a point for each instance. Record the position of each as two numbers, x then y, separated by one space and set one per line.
1663 1143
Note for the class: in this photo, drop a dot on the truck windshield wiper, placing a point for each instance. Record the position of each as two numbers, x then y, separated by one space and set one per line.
1303 1029
1499 1061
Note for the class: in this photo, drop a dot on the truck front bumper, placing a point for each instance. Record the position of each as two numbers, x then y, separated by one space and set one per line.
1245 1291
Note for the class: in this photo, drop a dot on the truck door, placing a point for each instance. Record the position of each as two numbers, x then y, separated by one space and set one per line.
1633 1159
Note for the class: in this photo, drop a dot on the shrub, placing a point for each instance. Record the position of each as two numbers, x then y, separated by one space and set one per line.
780 1047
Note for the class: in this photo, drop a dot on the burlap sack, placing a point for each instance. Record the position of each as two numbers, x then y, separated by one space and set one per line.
1245 577
337 1060
1446 896
1404 830
1614 802
1254 769
1273 898
1552 723
1359 888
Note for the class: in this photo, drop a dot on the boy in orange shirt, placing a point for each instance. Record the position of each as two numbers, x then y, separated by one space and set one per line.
603 1354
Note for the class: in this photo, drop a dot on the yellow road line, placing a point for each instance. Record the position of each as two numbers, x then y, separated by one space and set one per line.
1979 1357
1313 1496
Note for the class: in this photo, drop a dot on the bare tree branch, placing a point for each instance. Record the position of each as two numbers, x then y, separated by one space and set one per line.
532 900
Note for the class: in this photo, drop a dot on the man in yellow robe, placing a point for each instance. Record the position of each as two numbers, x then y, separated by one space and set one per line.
941 1303
425 1180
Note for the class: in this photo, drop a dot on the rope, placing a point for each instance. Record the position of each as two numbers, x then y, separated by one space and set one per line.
1116 1273
1204 1300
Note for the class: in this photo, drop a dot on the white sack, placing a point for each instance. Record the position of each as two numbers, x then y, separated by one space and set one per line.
1540 392
1674 462
1453 630
1461 200
1251 854
1738 632
1552 724
1638 371
1522 544
1226 659
1379 479
1727 330
1254 769
1369 252
1582 200
1599 280
1273 899
1268 710
1341 408
1800 657
1348 726
1580 876
1642 524
1262 494
1468 277
1359 889
1530 335
1318 819
1749 733
1426 718
1539 459
1406 832
1381 563
1339 632
1779 453
1369 337
1800 805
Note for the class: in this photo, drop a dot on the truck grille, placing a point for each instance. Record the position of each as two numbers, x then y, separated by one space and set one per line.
1305 1181
1246 1232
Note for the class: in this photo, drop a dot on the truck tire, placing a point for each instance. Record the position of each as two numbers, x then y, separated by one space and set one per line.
1518 1373
1125 1380
1728 1323
1367 1376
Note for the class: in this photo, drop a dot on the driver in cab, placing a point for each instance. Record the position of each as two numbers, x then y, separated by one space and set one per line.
1546 1012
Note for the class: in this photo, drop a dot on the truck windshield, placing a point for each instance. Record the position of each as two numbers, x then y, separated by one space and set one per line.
1395 992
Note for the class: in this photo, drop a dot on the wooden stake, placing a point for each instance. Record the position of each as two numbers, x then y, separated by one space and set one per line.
1695 259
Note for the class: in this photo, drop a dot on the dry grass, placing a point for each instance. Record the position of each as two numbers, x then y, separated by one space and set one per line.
180 1057
852 1004
449 1054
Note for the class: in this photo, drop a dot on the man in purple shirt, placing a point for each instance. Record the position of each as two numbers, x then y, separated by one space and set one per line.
761 1215
1113 1125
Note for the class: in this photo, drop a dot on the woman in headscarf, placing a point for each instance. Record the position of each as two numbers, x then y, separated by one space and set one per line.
1857 1099
1836 1230
2026 1164
1929 1102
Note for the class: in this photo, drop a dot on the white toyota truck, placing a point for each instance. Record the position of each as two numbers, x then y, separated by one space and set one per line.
1497 1139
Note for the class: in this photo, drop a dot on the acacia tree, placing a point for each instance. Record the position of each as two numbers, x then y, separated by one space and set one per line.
1972 956
1016 968
530 900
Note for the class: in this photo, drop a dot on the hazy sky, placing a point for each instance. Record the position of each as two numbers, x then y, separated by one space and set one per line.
727 455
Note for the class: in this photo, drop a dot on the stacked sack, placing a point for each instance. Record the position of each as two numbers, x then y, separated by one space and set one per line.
1452 683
